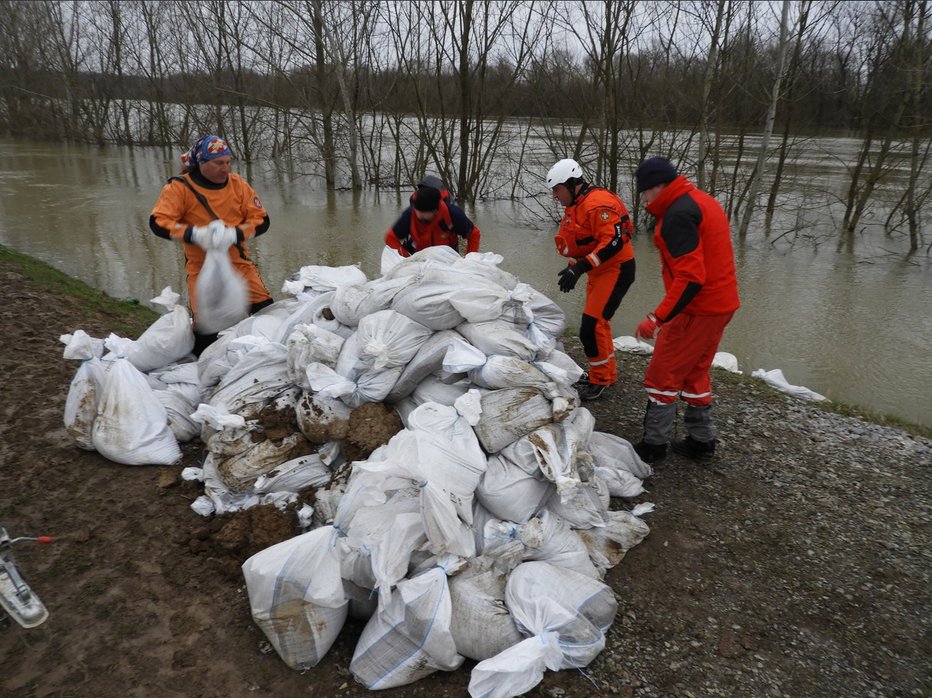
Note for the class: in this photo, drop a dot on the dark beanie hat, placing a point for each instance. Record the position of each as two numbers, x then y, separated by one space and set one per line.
426 199
654 171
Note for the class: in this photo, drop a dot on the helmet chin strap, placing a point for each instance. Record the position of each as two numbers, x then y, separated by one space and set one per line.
577 182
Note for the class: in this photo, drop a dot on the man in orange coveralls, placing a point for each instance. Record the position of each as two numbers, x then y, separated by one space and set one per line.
698 267
207 194
431 219
595 234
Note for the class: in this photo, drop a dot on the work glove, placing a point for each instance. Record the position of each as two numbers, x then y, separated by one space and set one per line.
201 236
648 327
568 278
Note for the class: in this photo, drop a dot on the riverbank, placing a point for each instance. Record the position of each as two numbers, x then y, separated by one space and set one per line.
797 563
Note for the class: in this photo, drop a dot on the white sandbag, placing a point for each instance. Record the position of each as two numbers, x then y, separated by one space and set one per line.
481 300
81 346
367 384
511 413
409 637
726 361
776 379
481 624
131 425
548 317
433 389
612 452
296 596
428 302
633 345
435 257
517 669
366 516
486 265
510 493
608 544
268 322
440 453
352 302
165 341
570 370
83 399
392 554
222 297
177 388
321 278
545 598
386 339
500 337
428 360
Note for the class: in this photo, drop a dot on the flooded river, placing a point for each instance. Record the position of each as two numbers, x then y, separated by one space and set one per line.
854 327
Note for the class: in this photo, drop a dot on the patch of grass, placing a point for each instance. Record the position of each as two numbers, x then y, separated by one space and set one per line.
130 317
883 419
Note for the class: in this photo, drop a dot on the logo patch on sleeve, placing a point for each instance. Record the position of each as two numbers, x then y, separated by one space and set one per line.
256 202
605 215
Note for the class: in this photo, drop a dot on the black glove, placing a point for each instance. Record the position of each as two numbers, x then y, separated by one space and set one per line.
407 243
569 277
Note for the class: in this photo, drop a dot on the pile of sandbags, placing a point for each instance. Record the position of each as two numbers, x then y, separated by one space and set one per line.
481 525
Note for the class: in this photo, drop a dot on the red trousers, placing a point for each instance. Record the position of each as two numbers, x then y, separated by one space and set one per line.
683 354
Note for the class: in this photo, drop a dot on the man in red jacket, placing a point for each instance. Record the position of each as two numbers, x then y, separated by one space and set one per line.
431 219
698 267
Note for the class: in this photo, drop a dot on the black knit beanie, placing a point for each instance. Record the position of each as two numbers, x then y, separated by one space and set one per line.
654 171
426 199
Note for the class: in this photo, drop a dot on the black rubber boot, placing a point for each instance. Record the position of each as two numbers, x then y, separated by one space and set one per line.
694 449
650 453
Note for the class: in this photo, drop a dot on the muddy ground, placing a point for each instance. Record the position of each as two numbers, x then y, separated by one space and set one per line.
796 564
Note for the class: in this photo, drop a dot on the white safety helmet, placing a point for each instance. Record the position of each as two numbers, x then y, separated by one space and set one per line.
563 171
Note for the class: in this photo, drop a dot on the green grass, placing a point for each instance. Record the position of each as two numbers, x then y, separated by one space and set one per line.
129 317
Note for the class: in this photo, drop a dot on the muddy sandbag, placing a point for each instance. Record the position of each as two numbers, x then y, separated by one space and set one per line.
322 419
481 624
608 544
82 401
296 596
242 455
511 413
131 426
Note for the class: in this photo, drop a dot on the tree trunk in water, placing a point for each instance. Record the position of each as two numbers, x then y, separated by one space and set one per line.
758 175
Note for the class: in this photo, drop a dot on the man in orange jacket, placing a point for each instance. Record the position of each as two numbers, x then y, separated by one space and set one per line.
208 193
698 267
431 219
595 234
